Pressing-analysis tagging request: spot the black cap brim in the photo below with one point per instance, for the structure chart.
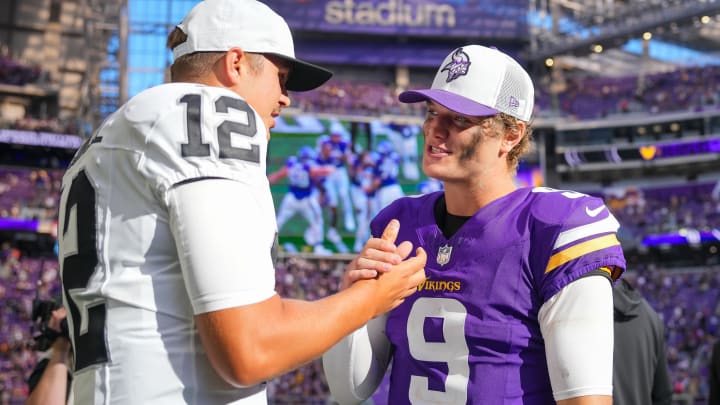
(304, 76)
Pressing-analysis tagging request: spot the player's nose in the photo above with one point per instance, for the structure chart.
(284, 100)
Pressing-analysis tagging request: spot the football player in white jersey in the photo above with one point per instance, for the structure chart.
(167, 229)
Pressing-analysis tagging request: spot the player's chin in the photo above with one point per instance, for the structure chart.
(269, 124)
(431, 168)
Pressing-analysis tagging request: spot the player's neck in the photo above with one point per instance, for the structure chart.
(448, 223)
(466, 200)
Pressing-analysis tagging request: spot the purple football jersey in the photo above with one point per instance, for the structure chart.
(470, 334)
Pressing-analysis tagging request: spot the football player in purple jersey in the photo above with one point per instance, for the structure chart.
(362, 188)
(339, 181)
(387, 172)
(301, 198)
(518, 306)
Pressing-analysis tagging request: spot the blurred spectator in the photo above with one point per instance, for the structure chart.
(714, 397)
(29, 193)
(15, 73)
(640, 373)
(663, 210)
(53, 125)
(51, 379)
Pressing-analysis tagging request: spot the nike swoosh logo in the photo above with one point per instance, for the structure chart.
(595, 212)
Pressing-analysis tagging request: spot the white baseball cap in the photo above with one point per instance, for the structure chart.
(479, 81)
(218, 25)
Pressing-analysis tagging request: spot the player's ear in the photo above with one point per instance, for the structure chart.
(229, 67)
(513, 135)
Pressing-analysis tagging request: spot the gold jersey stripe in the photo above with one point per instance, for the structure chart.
(607, 270)
(613, 271)
(564, 256)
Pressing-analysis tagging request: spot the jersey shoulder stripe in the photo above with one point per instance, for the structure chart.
(581, 249)
(607, 225)
(570, 234)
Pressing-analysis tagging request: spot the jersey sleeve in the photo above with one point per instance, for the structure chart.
(573, 234)
(225, 245)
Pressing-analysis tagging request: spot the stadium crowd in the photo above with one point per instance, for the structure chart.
(29, 123)
(16, 73)
(688, 89)
(687, 301)
(576, 97)
(664, 210)
(29, 193)
(582, 97)
(23, 277)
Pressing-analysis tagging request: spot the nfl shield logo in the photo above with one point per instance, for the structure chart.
(443, 255)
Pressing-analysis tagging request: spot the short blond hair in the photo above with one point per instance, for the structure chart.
(505, 122)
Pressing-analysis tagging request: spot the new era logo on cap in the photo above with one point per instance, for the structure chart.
(479, 81)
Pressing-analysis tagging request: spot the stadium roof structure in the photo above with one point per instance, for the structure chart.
(123, 40)
(85, 45)
(106, 36)
(617, 37)
(78, 44)
(684, 32)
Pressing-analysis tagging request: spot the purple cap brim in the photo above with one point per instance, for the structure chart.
(451, 101)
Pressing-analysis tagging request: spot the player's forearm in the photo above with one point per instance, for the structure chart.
(276, 176)
(355, 366)
(587, 400)
(304, 330)
(311, 328)
(285, 333)
(52, 387)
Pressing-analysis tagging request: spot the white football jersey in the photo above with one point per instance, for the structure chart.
(130, 302)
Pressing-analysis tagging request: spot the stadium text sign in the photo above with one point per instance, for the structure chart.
(453, 18)
(391, 12)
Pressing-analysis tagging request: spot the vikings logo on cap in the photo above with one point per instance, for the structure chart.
(458, 66)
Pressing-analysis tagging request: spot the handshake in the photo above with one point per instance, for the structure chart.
(387, 268)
